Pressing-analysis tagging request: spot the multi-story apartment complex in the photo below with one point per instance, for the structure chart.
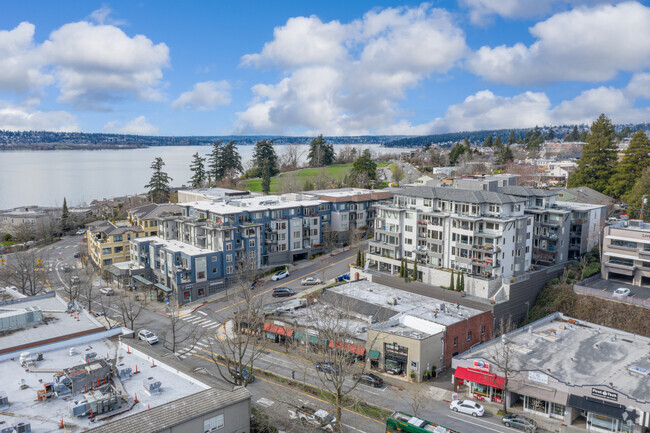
(28, 220)
(626, 252)
(108, 242)
(484, 234)
(587, 222)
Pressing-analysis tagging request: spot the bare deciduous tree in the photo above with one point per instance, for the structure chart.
(290, 182)
(180, 332)
(290, 158)
(238, 344)
(131, 305)
(26, 270)
(415, 395)
(503, 355)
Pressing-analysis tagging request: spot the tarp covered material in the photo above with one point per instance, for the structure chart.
(280, 330)
(601, 407)
(142, 280)
(482, 377)
(373, 354)
(352, 348)
(163, 288)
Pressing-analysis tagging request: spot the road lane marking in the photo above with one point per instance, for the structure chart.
(201, 312)
(473, 423)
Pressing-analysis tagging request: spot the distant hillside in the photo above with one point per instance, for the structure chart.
(72, 140)
(480, 136)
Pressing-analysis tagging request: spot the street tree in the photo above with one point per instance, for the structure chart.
(131, 305)
(599, 155)
(239, 344)
(215, 161)
(264, 155)
(550, 135)
(634, 198)
(457, 151)
(397, 173)
(365, 164)
(504, 154)
(635, 158)
(26, 271)
(321, 154)
(180, 333)
(415, 395)
(198, 170)
(534, 139)
(65, 217)
(438, 157)
(503, 355)
(158, 185)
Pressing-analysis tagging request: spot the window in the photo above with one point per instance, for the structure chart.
(214, 259)
(108, 261)
(622, 244)
(118, 250)
(251, 254)
(620, 261)
(296, 245)
(200, 275)
(482, 330)
(229, 258)
(251, 242)
(214, 270)
(228, 247)
(106, 250)
(117, 238)
(229, 269)
(455, 341)
(469, 335)
(408, 228)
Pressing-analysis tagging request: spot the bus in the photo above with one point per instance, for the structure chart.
(403, 422)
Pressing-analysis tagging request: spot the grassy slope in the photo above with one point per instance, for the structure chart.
(335, 171)
(613, 314)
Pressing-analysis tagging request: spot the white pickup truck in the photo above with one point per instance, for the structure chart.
(319, 417)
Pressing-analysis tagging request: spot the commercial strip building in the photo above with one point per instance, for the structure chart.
(65, 366)
(579, 372)
(393, 330)
(626, 252)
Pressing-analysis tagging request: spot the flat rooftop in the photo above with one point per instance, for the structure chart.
(255, 204)
(415, 305)
(579, 354)
(46, 416)
(574, 205)
(56, 323)
(174, 245)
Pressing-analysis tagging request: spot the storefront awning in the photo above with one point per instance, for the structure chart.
(482, 377)
(142, 280)
(300, 336)
(601, 407)
(352, 348)
(280, 330)
(315, 340)
(163, 288)
(373, 354)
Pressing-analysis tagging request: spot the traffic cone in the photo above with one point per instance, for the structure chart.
(148, 407)
(153, 363)
(91, 412)
(61, 425)
(128, 350)
(136, 398)
(98, 381)
(105, 380)
(136, 368)
(85, 388)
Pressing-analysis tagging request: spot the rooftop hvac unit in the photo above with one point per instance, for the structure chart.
(151, 385)
(441, 306)
(391, 301)
(4, 400)
(23, 427)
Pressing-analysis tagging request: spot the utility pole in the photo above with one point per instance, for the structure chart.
(643, 201)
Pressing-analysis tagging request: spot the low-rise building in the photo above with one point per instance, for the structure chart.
(28, 219)
(146, 216)
(108, 242)
(581, 373)
(626, 252)
(586, 225)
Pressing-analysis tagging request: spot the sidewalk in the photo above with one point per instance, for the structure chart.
(228, 291)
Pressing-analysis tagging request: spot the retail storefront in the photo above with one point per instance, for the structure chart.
(358, 352)
(277, 333)
(482, 384)
(396, 357)
(604, 416)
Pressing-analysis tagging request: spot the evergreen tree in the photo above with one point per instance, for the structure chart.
(457, 151)
(215, 160)
(365, 165)
(198, 169)
(415, 270)
(599, 154)
(451, 282)
(534, 139)
(551, 134)
(321, 154)
(231, 159)
(265, 170)
(574, 135)
(159, 183)
(497, 142)
(635, 158)
(359, 257)
(504, 154)
(458, 281)
(65, 216)
(462, 283)
(488, 141)
(583, 136)
(512, 139)
(634, 197)
(264, 153)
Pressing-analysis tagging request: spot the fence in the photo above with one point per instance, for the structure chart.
(583, 290)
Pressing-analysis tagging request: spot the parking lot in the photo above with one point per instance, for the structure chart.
(612, 284)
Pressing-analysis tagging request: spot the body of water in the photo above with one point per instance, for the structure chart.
(45, 177)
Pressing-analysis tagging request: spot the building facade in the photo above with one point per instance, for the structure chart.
(108, 242)
(626, 252)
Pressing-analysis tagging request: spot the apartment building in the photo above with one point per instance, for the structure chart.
(626, 252)
(28, 219)
(483, 234)
(586, 225)
(108, 242)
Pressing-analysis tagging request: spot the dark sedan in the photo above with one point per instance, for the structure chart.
(369, 379)
(281, 292)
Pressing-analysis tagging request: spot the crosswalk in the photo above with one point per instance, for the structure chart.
(200, 321)
(204, 343)
(213, 328)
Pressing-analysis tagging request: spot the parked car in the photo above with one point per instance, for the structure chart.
(327, 367)
(622, 291)
(245, 374)
(147, 336)
(369, 379)
(66, 268)
(280, 275)
(281, 292)
(319, 417)
(81, 232)
(108, 291)
(75, 279)
(467, 406)
(519, 422)
(310, 281)
(77, 255)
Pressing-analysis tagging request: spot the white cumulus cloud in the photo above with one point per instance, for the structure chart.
(347, 78)
(584, 44)
(481, 11)
(94, 64)
(23, 118)
(204, 96)
(20, 66)
(137, 126)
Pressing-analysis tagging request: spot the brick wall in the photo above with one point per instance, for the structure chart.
(480, 326)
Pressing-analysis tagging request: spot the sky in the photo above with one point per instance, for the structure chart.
(309, 67)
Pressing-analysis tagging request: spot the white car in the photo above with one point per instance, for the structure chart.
(467, 406)
(108, 291)
(81, 232)
(310, 281)
(280, 275)
(148, 336)
(622, 291)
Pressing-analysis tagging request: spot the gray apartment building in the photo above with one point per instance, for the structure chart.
(626, 252)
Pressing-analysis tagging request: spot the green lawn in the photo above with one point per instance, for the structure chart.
(255, 185)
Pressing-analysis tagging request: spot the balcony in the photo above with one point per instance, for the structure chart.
(551, 223)
(490, 248)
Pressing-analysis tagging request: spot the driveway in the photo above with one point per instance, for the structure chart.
(612, 284)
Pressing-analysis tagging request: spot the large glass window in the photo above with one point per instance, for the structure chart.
(479, 389)
(557, 410)
(536, 405)
(601, 421)
(620, 261)
(621, 243)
